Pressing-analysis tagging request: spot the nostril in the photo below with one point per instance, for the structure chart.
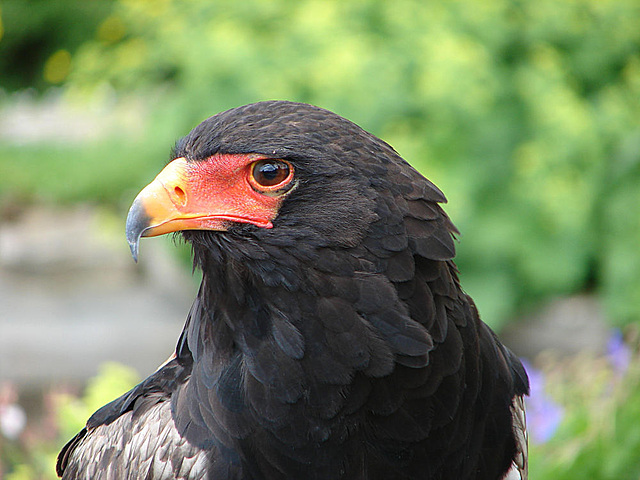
(180, 194)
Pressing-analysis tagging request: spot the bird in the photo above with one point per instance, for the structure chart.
(330, 337)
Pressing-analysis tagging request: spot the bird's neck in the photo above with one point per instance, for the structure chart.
(288, 352)
(237, 313)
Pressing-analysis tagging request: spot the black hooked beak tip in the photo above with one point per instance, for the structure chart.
(138, 221)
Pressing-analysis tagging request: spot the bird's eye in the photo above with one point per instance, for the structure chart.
(268, 176)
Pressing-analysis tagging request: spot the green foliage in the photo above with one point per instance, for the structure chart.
(113, 380)
(32, 31)
(526, 113)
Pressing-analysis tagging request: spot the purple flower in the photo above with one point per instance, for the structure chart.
(543, 414)
(618, 353)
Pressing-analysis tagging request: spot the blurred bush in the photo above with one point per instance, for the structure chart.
(38, 36)
(526, 113)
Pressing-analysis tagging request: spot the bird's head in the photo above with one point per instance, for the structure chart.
(275, 168)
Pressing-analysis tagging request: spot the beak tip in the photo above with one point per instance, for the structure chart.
(137, 223)
(134, 250)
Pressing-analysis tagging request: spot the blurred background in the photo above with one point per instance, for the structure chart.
(525, 113)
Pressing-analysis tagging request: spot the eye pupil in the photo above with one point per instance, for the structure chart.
(269, 173)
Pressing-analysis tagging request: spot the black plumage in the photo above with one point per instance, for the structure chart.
(336, 345)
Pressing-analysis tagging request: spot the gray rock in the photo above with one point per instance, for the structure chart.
(72, 298)
(565, 327)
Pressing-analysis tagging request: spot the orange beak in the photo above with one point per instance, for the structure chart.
(204, 195)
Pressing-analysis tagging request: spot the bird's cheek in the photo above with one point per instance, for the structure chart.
(228, 200)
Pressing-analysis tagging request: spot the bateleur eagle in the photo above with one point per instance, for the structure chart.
(330, 337)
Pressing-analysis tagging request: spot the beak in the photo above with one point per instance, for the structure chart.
(169, 204)
(137, 223)
(157, 205)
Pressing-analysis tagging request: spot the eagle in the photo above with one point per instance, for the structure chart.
(330, 337)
